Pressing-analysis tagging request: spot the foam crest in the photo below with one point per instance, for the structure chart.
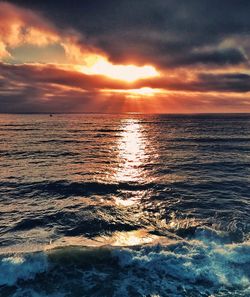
(21, 267)
(202, 266)
(194, 265)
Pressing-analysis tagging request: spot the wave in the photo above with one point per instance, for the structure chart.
(19, 129)
(30, 154)
(65, 141)
(25, 267)
(207, 139)
(79, 188)
(115, 130)
(203, 266)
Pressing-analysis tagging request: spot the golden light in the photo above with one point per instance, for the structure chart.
(131, 150)
(141, 92)
(133, 238)
(128, 73)
(146, 91)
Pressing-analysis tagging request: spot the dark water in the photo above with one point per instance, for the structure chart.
(124, 205)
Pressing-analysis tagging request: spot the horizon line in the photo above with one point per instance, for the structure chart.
(125, 113)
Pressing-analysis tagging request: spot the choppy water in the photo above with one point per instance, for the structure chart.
(124, 205)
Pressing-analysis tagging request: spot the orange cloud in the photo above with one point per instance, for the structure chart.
(21, 26)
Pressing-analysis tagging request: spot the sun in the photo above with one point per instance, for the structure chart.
(127, 73)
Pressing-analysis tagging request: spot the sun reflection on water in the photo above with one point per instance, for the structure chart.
(131, 152)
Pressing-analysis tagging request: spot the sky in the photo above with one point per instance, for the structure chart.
(160, 56)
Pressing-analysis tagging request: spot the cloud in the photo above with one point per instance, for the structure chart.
(38, 74)
(201, 49)
(21, 26)
(32, 74)
(219, 57)
(167, 33)
(200, 82)
(226, 82)
(50, 88)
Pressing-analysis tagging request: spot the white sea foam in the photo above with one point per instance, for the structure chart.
(197, 264)
(21, 267)
(202, 266)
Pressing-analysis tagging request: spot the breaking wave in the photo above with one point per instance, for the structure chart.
(202, 266)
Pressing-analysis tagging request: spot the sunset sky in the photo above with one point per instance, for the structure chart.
(159, 56)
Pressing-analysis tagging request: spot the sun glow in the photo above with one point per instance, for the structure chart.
(131, 93)
(145, 92)
(128, 73)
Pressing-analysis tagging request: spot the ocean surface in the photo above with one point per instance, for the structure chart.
(124, 205)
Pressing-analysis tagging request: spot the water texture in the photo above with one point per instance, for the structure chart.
(124, 205)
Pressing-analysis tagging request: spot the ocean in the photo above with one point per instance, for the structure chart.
(124, 205)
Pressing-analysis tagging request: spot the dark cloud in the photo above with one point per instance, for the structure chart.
(236, 82)
(219, 57)
(165, 32)
(203, 82)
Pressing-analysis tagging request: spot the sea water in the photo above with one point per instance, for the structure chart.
(124, 205)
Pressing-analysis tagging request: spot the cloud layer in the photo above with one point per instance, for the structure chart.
(48, 88)
(201, 48)
(166, 32)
